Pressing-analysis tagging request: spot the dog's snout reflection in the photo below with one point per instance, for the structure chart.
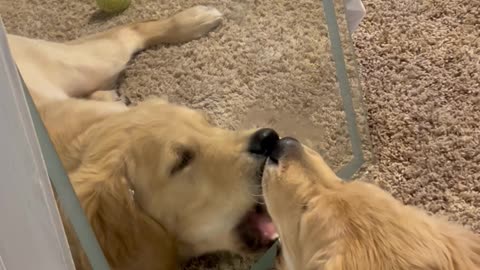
(286, 147)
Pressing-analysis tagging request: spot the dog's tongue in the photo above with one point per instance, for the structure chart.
(265, 225)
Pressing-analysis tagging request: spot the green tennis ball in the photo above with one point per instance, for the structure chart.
(113, 6)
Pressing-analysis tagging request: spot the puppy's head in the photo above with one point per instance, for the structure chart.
(294, 177)
(202, 183)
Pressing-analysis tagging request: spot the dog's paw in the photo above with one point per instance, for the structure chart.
(105, 95)
(195, 22)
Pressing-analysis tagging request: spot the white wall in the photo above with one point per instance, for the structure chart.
(31, 233)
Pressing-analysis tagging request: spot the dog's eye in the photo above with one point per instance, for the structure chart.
(185, 157)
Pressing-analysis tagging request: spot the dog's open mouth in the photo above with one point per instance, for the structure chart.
(256, 230)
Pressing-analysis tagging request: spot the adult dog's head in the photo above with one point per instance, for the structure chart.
(201, 183)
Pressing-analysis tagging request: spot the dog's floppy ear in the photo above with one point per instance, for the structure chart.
(121, 227)
(107, 202)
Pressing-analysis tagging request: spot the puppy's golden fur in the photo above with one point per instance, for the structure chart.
(325, 223)
(157, 182)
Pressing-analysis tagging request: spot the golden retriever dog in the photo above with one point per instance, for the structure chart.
(157, 182)
(325, 223)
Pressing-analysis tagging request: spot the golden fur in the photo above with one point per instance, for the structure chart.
(157, 182)
(326, 223)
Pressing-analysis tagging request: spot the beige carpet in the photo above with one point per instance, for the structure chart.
(419, 62)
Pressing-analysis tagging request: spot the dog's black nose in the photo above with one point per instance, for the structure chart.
(285, 146)
(263, 141)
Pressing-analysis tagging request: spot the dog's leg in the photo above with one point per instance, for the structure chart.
(184, 26)
(78, 68)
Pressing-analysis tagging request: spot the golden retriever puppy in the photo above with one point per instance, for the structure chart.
(325, 223)
(157, 182)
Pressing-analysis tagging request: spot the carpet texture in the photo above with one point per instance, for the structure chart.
(420, 63)
(418, 59)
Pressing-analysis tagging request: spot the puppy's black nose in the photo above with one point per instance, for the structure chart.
(263, 141)
(285, 146)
